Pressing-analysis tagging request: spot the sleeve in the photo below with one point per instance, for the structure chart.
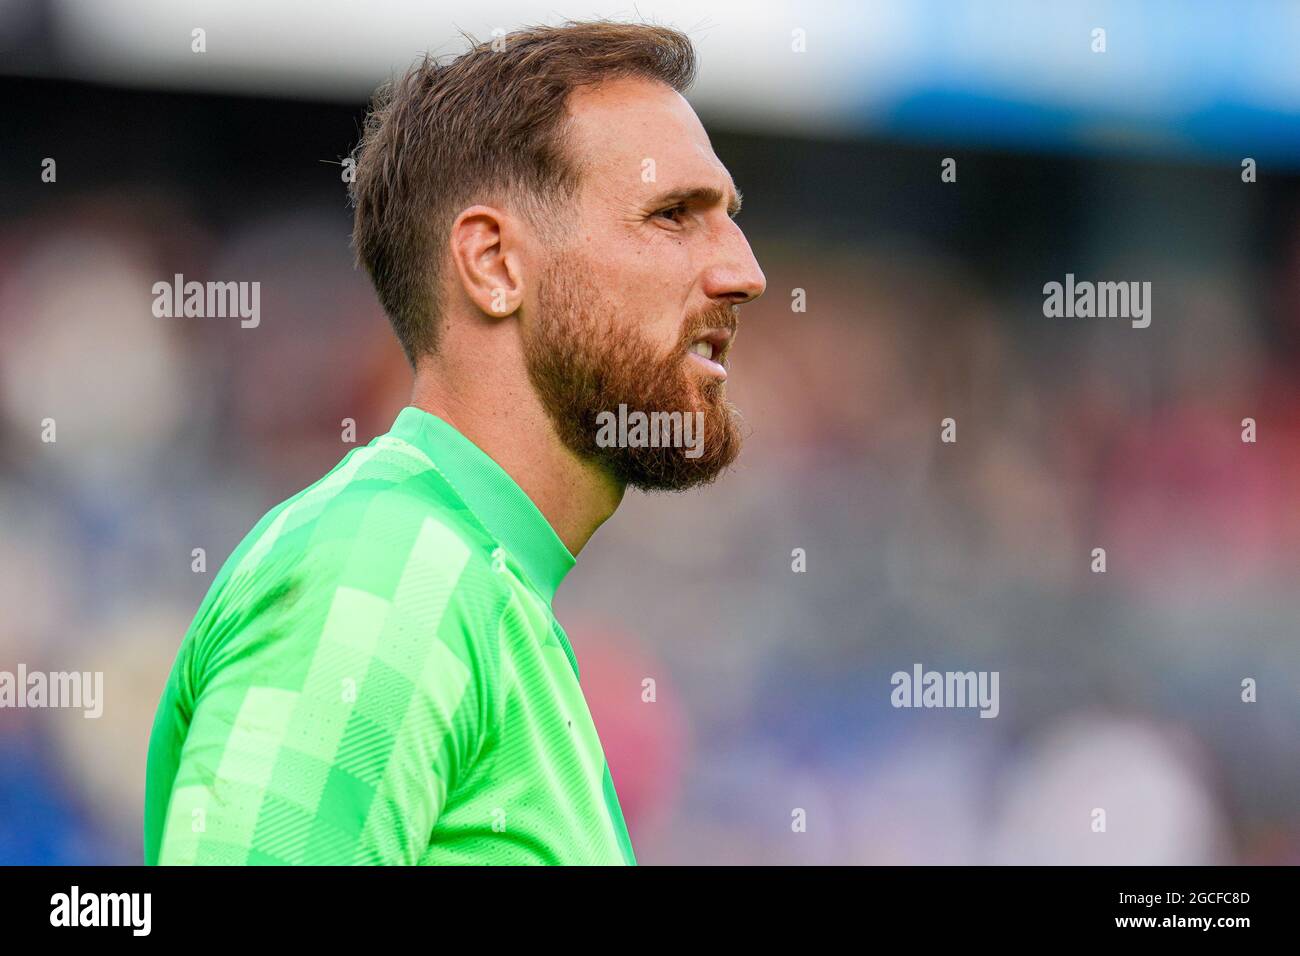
(333, 717)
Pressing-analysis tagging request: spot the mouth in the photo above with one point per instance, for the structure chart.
(709, 350)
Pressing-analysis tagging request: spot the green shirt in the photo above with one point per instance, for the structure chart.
(376, 676)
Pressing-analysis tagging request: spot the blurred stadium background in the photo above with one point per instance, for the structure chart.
(1118, 690)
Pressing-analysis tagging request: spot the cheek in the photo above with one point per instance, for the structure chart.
(648, 286)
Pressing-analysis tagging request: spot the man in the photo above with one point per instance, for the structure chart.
(376, 675)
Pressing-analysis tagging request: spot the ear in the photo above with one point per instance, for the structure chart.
(485, 248)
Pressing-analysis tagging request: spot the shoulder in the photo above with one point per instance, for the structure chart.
(382, 515)
(380, 546)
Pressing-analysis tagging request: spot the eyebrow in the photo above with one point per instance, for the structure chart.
(701, 195)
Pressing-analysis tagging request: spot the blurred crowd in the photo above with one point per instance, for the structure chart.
(1119, 690)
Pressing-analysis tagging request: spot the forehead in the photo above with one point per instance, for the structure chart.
(619, 124)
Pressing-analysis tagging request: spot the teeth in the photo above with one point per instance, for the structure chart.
(703, 348)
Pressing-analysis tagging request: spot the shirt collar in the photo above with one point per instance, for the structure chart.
(492, 495)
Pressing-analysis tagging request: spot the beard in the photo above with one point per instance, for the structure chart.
(583, 361)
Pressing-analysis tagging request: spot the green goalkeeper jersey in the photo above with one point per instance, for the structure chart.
(376, 676)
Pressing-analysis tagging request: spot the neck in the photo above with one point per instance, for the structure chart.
(503, 416)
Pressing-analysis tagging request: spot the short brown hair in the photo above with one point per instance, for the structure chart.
(483, 126)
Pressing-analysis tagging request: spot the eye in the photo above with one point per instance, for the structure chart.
(673, 212)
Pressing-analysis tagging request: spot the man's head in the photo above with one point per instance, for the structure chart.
(554, 186)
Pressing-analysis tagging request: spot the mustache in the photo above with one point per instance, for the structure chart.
(722, 316)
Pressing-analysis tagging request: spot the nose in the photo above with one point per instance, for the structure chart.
(733, 274)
